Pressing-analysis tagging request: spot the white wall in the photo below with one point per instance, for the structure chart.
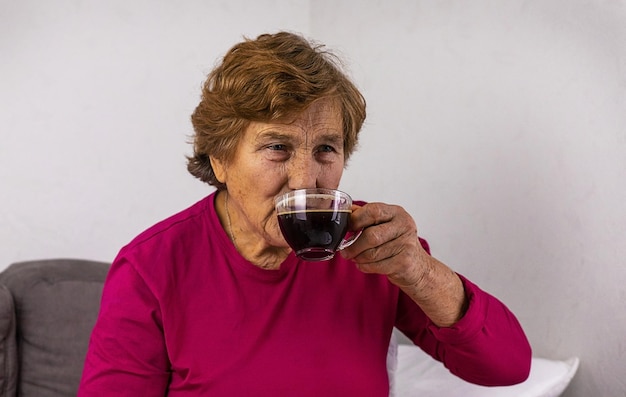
(95, 101)
(501, 126)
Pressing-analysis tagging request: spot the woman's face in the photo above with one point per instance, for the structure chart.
(274, 158)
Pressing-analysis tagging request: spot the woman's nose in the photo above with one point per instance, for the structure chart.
(303, 173)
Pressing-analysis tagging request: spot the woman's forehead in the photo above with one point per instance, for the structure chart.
(324, 112)
(320, 123)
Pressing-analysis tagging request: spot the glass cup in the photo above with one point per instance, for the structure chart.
(315, 222)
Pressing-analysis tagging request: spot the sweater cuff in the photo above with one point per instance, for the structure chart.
(471, 323)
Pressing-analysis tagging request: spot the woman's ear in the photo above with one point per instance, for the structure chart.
(219, 169)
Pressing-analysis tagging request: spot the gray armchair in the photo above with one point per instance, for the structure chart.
(47, 311)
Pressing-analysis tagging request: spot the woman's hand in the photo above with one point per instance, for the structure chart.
(390, 245)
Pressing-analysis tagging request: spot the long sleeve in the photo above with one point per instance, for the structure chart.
(126, 355)
(486, 347)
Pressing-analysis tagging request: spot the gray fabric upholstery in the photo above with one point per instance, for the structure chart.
(8, 345)
(56, 304)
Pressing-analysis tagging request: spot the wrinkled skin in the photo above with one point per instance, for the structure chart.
(273, 158)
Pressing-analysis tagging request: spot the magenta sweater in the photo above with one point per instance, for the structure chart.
(183, 314)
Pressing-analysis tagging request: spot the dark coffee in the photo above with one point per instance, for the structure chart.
(314, 234)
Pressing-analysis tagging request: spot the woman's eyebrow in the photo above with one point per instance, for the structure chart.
(332, 137)
(273, 135)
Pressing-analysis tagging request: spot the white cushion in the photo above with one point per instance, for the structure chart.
(417, 374)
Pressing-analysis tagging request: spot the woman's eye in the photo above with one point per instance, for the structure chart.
(326, 149)
(278, 152)
(277, 146)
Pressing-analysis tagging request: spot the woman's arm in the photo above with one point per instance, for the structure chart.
(486, 347)
(127, 354)
(472, 332)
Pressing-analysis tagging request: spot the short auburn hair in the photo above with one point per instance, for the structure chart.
(269, 79)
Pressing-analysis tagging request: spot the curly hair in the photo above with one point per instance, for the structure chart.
(269, 79)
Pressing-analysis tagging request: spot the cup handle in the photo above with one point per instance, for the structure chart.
(346, 242)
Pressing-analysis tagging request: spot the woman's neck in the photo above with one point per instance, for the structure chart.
(249, 245)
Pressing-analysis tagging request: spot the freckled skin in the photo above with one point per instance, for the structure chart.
(273, 158)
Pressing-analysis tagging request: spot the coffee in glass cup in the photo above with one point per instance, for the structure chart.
(315, 222)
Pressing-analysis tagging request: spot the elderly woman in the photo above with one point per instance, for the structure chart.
(213, 302)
